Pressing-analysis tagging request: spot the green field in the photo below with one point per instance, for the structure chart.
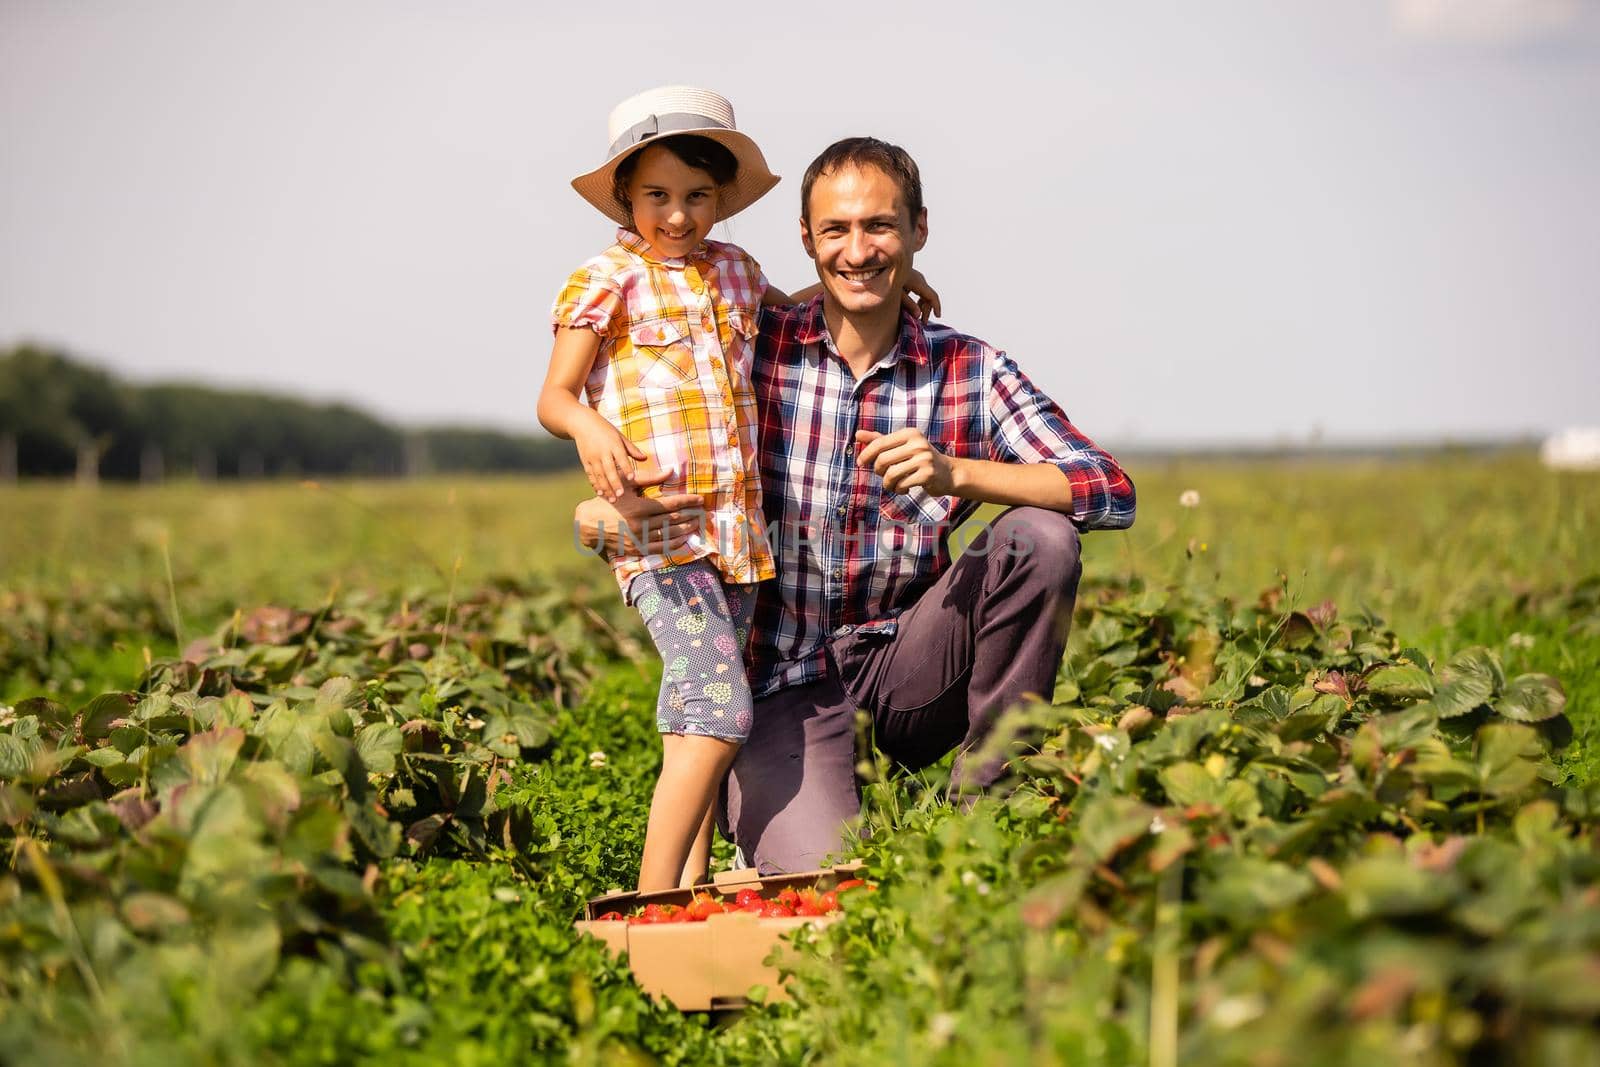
(1424, 543)
(1380, 818)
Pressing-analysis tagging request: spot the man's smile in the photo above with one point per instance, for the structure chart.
(862, 276)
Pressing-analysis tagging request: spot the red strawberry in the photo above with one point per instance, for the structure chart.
(848, 883)
(747, 896)
(609, 917)
(788, 897)
(703, 906)
(776, 910)
(829, 901)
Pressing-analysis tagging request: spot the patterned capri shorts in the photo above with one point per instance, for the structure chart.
(699, 624)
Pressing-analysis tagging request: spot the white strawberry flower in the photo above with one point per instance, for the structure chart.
(597, 759)
(1189, 498)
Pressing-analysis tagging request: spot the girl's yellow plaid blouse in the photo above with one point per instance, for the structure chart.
(673, 374)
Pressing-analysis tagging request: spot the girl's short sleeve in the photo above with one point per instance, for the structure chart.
(755, 279)
(762, 285)
(591, 298)
(739, 278)
(752, 270)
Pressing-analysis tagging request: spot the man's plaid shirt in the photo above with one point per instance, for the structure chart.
(851, 557)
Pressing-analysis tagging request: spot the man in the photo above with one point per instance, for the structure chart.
(878, 436)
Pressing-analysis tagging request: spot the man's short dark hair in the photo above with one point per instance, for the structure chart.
(893, 160)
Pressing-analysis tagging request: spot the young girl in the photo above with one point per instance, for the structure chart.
(657, 332)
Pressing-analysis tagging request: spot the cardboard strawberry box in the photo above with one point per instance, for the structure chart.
(711, 964)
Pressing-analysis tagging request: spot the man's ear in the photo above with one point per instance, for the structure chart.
(805, 239)
(921, 229)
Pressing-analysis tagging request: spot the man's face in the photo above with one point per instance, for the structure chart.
(674, 205)
(863, 239)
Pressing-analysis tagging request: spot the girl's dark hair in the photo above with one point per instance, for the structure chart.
(701, 153)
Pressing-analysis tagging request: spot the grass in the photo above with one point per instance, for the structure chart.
(244, 544)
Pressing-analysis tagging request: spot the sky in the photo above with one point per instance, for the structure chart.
(1237, 222)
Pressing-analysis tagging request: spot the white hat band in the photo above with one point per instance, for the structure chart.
(652, 125)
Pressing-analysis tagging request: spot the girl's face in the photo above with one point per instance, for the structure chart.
(674, 204)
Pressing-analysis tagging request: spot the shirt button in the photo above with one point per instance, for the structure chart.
(841, 509)
(838, 572)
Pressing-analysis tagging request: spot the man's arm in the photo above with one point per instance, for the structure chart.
(635, 523)
(906, 459)
(1028, 427)
(1041, 459)
(1039, 485)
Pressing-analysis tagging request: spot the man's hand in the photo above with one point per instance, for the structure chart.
(906, 460)
(652, 526)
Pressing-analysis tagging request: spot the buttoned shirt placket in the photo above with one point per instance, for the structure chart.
(843, 475)
(696, 275)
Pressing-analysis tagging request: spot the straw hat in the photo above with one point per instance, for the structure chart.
(675, 109)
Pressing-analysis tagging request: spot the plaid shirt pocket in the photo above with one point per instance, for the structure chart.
(665, 349)
(916, 506)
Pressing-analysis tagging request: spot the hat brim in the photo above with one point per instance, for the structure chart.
(753, 181)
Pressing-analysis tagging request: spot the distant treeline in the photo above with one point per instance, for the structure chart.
(60, 417)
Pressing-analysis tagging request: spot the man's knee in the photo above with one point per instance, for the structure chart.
(792, 790)
(1046, 541)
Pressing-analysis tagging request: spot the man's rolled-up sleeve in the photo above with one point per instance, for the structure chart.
(1028, 427)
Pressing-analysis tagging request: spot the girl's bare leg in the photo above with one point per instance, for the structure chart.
(698, 864)
(692, 769)
(695, 867)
